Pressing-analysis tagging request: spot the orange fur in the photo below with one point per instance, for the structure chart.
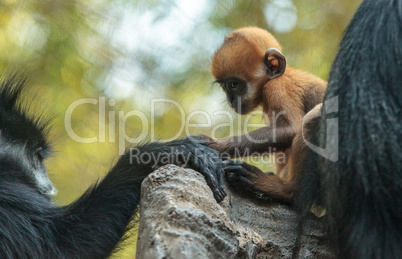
(242, 48)
(295, 92)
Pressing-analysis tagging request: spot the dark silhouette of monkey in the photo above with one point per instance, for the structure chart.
(362, 191)
(31, 226)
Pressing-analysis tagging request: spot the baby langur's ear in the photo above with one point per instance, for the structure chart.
(275, 62)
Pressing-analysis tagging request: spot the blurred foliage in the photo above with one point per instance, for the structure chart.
(133, 51)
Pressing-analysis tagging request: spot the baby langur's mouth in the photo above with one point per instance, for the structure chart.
(240, 109)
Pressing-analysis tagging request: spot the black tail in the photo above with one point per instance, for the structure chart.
(363, 189)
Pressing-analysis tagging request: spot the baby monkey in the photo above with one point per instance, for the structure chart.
(252, 72)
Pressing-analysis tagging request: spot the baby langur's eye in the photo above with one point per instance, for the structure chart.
(233, 84)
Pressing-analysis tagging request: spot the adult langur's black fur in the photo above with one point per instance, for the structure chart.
(362, 191)
(91, 227)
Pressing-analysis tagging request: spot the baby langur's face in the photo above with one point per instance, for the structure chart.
(239, 94)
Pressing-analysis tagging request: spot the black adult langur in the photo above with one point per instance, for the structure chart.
(362, 190)
(31, 226)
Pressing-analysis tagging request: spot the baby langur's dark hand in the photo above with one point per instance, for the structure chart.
(207, 161)
(241, 175)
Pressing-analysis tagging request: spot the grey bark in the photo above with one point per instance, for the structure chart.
(179, 218)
